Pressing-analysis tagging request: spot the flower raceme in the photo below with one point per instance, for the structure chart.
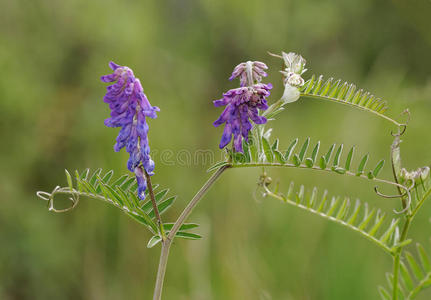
(243, 104)
(129, 109)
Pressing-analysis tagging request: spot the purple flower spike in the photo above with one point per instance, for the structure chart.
(129, 109)
(249, 72)
(243, 104)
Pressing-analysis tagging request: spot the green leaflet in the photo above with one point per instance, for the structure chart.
(345, 93)
(369, 223)
(415, 273)
(330, 159)
(121, 193)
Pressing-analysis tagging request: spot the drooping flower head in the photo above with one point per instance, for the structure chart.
(129, 109)
(243, 104)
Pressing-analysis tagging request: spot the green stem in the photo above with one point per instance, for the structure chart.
(166, 244)
(155, 209)
(397, 258)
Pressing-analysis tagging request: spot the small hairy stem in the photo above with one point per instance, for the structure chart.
(164, 254)
(153, 201)
(166, 243)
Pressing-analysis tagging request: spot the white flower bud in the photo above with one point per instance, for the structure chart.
(291, 94)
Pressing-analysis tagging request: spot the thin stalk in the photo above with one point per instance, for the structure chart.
(164, 254)
(189, 208)
(166, 243)
(153, 201)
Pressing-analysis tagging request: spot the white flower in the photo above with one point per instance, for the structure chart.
(293, 79)
(421, 173)
(294, 62)
(291, 94)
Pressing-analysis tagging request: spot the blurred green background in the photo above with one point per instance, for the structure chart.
(52, 54)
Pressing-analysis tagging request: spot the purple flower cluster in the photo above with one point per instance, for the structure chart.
(129, 108)
(243, 104)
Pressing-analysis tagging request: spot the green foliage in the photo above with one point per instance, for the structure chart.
(121, 193)
(345, 93)
(415, 275)
(369, 222)
(330, 160)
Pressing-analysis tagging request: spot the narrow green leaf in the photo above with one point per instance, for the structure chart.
(384, 293)
(69, 180)
(334, 89)
(349, 158)
(367, 219)
(309, 85)
(362, 165)
(186, 226)
(78, 181)
(279, 157)
(84, 174)
(385, 237)
(124, 197)
(326, 86)
(424, 257)
(322, 163)
(329, 153)
(343, 209)
(355, 213)
(247, 157)
(414, 266)
(113, 195)
(127, 183)
(407, 279)
(120, 180)
(315, 152)
(162, 207)
(154, 241)
(333, 206)
(300, 195)
(337, 156)
(107, 177)
(290, 191)
(275, 145)
(304, 149)
(188, 235)
(317, 86)
(312, 198)
(93, 178)
(290, 149)
(267, 150)
(378, 168)
(88, 188)
(323, 201)
(378, 223)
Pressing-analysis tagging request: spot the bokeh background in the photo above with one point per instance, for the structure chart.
(52, 54)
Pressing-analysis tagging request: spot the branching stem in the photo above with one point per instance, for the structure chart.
(166, 244)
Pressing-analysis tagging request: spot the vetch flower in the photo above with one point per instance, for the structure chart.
(129, 109)
(248, 72)
(243, 104)
(295, 67)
